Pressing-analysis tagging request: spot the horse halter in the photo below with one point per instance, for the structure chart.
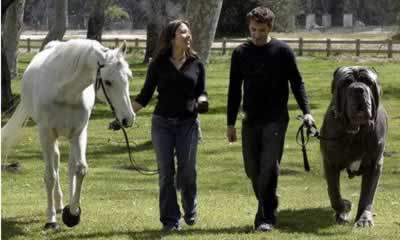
(99, 83)
(117, 125)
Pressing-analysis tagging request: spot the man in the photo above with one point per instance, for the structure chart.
(264, 66)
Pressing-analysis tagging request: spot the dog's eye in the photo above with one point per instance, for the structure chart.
(366, 81)
(108, 83)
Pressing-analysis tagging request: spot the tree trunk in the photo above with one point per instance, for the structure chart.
(6, 93)
(57, 31)
(12, 31)
(156, 14)
(4, 6)
(96, 20)
(152, 40)
(203, 16)
(159, 13)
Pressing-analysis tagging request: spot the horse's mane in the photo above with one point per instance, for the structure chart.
(75, 54)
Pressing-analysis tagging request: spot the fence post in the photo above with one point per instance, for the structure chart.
(328, 47)
(358, 46)
(390, 48)
(28, 43)
(136, 44)
(224, 46)
(301, 46)
(116, 42)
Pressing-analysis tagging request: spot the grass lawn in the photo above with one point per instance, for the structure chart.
(118, 203)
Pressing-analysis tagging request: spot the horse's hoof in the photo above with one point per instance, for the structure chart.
(52, 226)
(69, 219)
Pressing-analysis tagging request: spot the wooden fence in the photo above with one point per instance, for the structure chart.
(328, 46)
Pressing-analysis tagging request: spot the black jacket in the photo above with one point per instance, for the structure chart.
(178, 90)
(265, 73)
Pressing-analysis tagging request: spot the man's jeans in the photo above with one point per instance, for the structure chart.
(262, 152)
(171, 136)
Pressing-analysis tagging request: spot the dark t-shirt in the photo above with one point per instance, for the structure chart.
(264, 72)
(177, 90)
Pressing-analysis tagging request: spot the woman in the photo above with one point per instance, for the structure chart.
(179, 77)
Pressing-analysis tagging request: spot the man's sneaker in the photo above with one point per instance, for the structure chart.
(264, 227)
(170, 228)
(190, 220)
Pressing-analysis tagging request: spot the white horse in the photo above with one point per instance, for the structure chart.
(58, 93)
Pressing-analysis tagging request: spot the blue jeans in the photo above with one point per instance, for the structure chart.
(262, 152)
(180, 137)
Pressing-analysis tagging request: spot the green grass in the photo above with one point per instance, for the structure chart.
(121, 204)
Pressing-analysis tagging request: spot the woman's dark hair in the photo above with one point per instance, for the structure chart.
(168, 35)
(261, 15)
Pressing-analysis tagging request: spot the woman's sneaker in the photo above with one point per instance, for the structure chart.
(170, 228)
(264, 227)
(190, 220)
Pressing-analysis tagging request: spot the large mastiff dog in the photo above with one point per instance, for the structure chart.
(353, 138)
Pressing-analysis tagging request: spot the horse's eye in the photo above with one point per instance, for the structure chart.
(108, 83)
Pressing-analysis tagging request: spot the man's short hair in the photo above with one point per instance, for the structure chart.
(261, 15)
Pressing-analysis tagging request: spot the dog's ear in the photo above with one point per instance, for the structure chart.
(375, 89)
(374, 70)
(337, 91)
(334, 80)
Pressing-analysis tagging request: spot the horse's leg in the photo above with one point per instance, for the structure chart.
(77, 170)
(58, 194)
(50, 153)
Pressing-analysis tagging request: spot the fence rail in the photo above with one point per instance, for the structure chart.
(329, 46)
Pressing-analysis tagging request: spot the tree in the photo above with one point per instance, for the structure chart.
(6, 93)
(59, 27)
(12, 31)
(115, 13)
(285, 12)
(203, 16)
(96, 19)
(159, 13)
(136, 10)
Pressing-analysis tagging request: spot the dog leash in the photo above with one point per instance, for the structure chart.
(304, 139)
(310, 131)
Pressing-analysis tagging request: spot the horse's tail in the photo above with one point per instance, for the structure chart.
(10, 132)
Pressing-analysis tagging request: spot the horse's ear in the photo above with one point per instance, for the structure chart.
(122, 49)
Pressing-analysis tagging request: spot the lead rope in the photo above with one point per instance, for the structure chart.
(313, 132)
(310, 131)
(116, 125)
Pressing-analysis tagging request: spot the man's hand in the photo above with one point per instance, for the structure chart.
(309, 120)
(231, 134)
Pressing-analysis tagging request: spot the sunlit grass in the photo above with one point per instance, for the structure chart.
(122, 204)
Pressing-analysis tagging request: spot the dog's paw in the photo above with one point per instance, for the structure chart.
(365, 220)
(344, 216)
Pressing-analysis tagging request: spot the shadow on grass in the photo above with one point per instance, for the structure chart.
(120, 149)
(312, 221)
(11, 227)
(156, 234)
(289, 172)
(309, 220)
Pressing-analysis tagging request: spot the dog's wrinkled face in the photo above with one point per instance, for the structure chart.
(356, 94)
(359, 103)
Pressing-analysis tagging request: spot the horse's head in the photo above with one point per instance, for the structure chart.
(115, 75)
